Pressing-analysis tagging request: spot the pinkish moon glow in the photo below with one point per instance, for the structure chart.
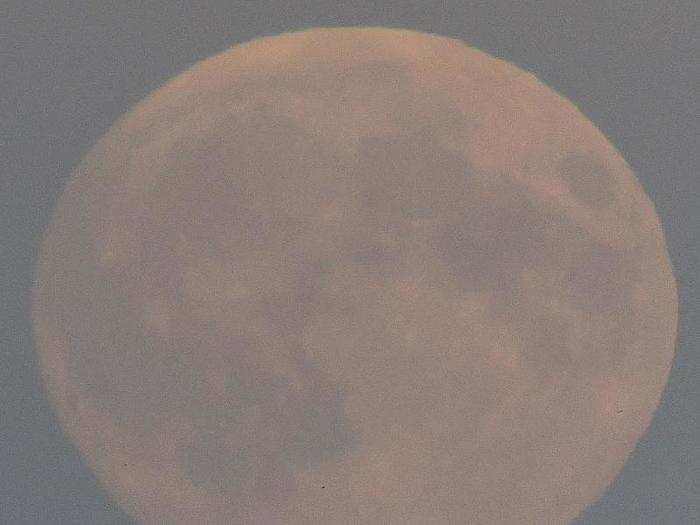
(355, 275)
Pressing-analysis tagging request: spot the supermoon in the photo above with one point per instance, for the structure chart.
(354, 275)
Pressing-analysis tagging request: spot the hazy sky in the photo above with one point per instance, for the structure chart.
(72, 68)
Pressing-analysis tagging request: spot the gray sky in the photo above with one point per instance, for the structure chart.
(73, 67)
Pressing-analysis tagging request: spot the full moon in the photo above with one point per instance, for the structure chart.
(354, 275)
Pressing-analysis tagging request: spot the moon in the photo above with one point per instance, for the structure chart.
(354, 275)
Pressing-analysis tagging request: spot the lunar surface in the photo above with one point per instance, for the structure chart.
(354, 275)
